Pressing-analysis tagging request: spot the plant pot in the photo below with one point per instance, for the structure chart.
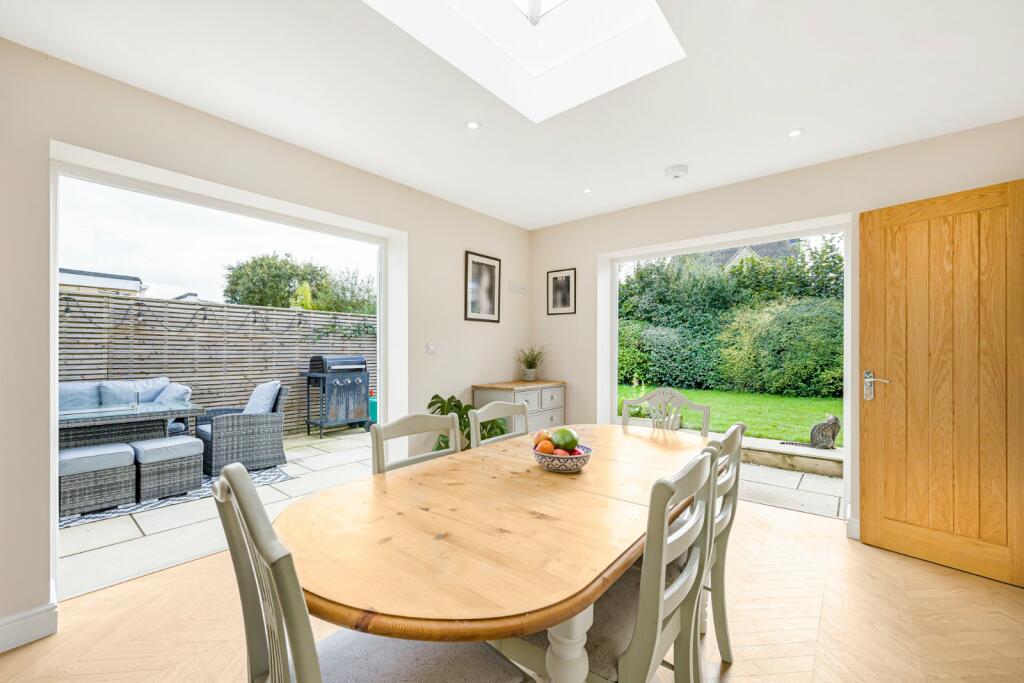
(529, 374)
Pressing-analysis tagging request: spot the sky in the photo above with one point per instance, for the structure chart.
(176, 247)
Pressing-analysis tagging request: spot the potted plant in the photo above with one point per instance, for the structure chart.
(530, 359)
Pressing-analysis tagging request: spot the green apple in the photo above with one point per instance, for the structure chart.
(564, 438)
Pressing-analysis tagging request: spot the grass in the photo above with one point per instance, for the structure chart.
(786, 418)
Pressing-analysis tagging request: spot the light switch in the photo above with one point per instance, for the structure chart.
(431, 348)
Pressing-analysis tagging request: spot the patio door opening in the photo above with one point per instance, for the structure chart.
(757, 331)
(191, 335)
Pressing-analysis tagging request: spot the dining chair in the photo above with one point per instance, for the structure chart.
(652, 607)
(412, 425)
(278, 636)
(496, 410)
(665, 407)
(727, 494)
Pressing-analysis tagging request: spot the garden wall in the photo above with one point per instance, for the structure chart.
(220, 350)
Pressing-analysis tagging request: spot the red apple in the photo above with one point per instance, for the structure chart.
(561, 451)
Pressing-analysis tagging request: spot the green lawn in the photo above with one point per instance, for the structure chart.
(786, 418)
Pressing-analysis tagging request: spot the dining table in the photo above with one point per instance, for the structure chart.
(484, 544)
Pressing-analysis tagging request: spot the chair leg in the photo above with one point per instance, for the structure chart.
(718, 608)
(702, 609)
(682, 648)
(697, 677)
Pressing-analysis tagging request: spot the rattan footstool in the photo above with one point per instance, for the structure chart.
(168, 467)
(96, 477)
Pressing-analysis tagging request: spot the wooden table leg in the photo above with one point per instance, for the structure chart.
(566, 658)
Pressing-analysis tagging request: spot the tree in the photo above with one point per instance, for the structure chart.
(280, 281)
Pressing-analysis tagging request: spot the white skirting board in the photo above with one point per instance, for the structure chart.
(24, 627)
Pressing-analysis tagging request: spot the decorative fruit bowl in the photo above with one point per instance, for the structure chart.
(560, 451)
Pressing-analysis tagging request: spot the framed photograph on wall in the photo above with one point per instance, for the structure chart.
(483, 288)
(562, 291)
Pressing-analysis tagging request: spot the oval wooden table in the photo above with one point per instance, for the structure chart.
(484, 544)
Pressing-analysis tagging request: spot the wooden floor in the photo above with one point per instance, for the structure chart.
(805, 604)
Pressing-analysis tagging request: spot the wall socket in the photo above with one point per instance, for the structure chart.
(517, 287)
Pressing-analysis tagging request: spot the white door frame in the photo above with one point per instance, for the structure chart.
(393, 307)
(608, 329)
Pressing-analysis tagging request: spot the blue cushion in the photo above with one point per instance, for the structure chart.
(204, 432)
(263, 398)
(78, 395)
(174, 428)
(150, 388)
(167, 448)
(105, 456)
(174, 393)
(118, 392)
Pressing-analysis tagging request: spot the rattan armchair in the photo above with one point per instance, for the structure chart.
(256, 441)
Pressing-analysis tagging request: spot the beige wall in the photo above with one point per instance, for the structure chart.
(931, 167)
(43, 99)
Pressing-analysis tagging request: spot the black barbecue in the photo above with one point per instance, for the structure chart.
(343, 386)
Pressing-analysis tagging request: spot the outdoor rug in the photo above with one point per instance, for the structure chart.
(271, 475)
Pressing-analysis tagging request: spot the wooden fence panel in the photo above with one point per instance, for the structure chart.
(220, 350)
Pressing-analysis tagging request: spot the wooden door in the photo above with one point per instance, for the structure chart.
(942, 319)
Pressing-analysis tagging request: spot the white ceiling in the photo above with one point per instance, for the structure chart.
(336, 77)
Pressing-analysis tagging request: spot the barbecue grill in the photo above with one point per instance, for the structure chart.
(342, 384)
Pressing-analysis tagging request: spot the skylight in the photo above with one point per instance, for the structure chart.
(535, 9)
(585, 49)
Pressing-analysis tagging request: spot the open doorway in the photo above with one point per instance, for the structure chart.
(756, 331)
(177, 315)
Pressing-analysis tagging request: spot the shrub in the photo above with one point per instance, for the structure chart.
(682, 357)
(634, 355)
(792, 347)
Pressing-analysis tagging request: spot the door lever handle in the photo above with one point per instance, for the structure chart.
(869, 384)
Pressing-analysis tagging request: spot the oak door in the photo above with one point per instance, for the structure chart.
(942, 331)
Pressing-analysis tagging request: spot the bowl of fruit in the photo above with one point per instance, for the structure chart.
(560, 450)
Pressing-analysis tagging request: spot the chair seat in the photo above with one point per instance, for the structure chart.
(94, 458)
(167, 448)
(205, 432)
(355, 657)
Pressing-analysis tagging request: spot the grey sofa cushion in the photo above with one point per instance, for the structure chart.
(167, 448)
(95, 458)
(174, 393)
(123, 391)
(174, 428)
(263, 397)
(355, 657)
(78, 395)
(205, 432)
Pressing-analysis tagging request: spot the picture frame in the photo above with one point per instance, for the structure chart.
(562, 291)
(483, 288)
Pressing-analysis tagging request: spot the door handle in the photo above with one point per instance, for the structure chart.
(869, 384)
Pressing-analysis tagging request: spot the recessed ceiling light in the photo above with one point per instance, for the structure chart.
(677, 171)
(795, 133)
(473, 125)
(587, 190)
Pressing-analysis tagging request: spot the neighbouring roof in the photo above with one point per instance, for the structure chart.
(89, 278)
(91, 273)
(777, 249)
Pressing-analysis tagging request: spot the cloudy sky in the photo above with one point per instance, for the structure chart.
(177, 247)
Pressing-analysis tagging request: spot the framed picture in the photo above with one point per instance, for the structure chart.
(483, 288)
(562, 291)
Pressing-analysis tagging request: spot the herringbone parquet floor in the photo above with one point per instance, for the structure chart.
(805, 604)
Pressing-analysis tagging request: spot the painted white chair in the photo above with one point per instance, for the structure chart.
(666, 409)
(652, 607)
(278, 636)
(496, 410)
(727, 491)
(412, 425)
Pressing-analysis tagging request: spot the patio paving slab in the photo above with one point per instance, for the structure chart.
(327, 460)
(335, 445)
(315, 481)
(816, 483)
(770, 475)
(294, 469)
(792, 499)
(77, 539)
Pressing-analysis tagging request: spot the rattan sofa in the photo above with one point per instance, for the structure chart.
(229, 435)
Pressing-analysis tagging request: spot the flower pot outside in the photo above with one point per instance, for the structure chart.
(529, 374)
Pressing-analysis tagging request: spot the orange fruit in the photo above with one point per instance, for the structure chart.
(545, 447)
(542, 435)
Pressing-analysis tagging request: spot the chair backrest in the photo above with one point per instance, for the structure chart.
(282, 394)
(496, 410)
(411, 425)
(278, 636)
(727, 489)
(685, 542)
(666, 409)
